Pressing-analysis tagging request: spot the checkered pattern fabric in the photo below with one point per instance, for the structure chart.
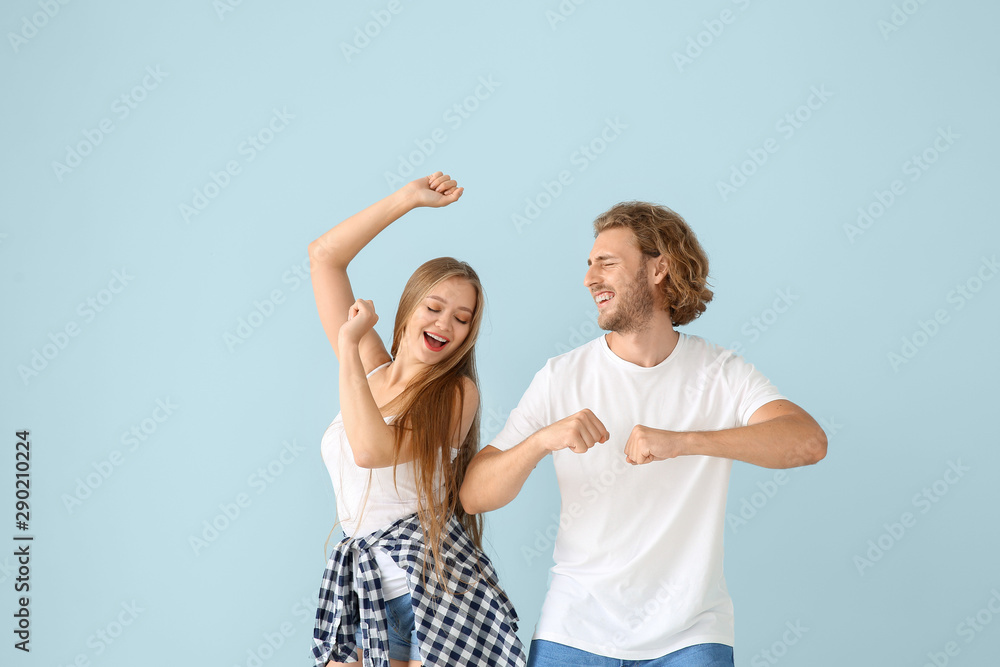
(470, 623)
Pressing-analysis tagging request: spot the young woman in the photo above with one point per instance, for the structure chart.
(408, 584)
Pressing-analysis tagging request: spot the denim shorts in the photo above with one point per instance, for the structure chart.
(403, 644)
(550, 654)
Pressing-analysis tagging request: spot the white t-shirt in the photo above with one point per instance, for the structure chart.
(368, 499)
(638, 558)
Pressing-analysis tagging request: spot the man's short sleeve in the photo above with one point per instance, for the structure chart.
(753, 389)
(530, 415)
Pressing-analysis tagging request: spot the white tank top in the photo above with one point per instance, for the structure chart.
(367, 499)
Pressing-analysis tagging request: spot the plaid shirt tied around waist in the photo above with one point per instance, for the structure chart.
(471, 623)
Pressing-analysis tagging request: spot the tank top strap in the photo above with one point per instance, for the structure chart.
(376, 370)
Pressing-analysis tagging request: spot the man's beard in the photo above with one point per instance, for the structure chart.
(633, 309)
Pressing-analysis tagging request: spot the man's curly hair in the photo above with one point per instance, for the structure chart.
(660, 231)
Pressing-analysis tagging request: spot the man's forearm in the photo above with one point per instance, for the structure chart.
(783, 442)
(495, 477)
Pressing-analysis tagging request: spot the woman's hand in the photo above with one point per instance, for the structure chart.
(436, 190)
(360, 320)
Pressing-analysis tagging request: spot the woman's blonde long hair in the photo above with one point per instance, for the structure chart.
(426, 413)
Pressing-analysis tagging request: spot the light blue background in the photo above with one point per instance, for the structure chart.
(893, 430)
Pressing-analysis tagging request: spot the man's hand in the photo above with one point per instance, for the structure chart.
(646, 445)
(434, 191)
(360, 320)
(578, 432)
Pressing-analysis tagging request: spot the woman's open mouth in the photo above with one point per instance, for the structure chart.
(434, 342)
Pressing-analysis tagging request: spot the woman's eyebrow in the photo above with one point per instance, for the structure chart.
(445, 302)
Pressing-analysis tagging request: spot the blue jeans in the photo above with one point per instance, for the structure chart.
(550, 654)
(403, 643)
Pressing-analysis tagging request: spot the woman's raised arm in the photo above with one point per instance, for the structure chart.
(331, 253)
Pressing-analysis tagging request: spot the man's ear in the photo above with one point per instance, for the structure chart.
(661, 267)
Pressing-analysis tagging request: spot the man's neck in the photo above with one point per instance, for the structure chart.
(648, 346)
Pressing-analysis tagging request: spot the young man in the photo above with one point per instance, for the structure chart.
(643, 424)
